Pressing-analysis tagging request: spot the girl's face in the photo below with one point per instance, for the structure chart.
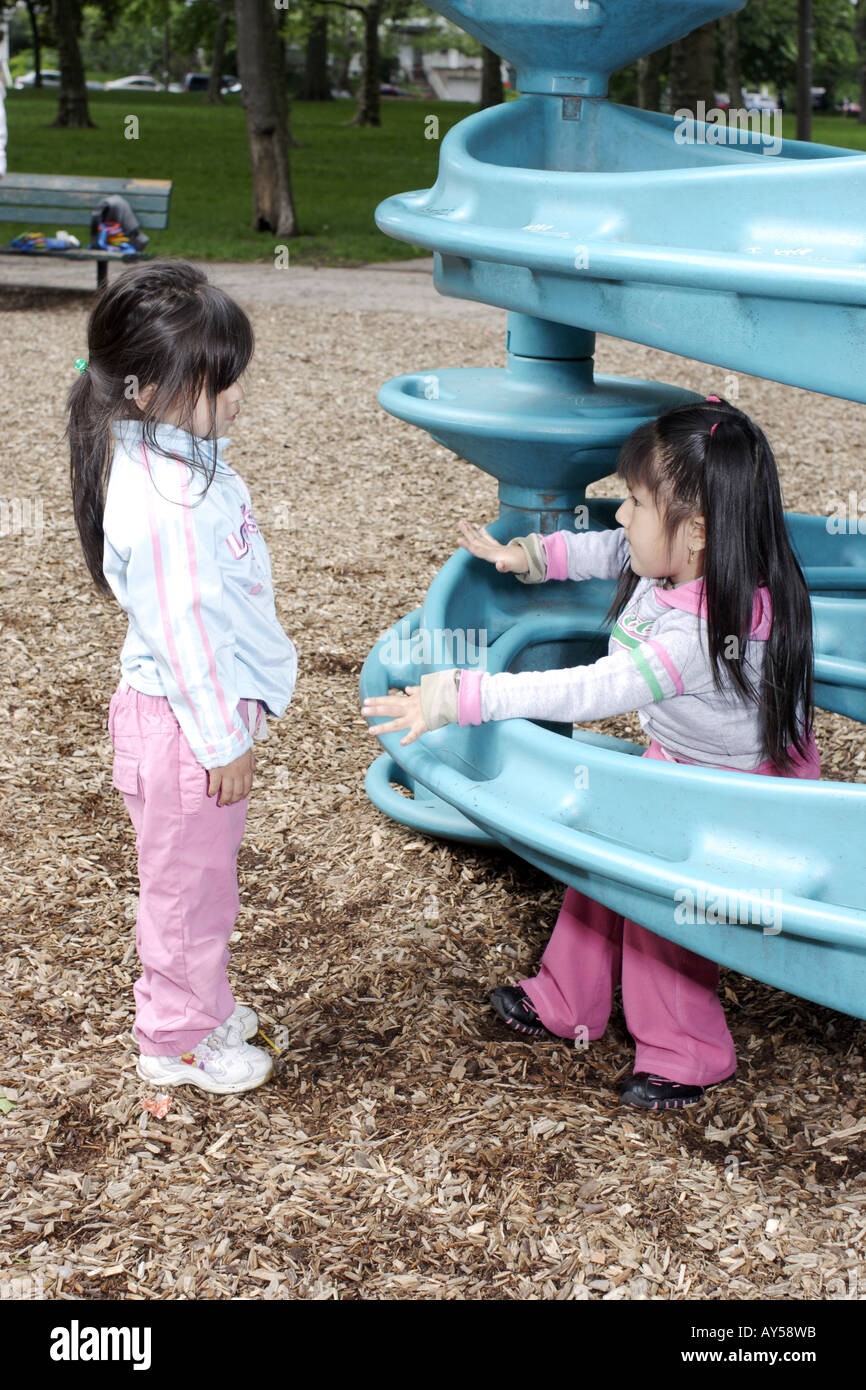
(653, 556)
(226, 408)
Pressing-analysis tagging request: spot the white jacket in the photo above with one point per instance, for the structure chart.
(192, 571)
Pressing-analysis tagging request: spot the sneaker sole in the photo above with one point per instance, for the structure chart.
(512, 1023)
(194, 1076)
(660, 1104)
(674, 1104)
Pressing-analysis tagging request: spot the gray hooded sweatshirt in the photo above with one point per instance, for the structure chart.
(657, 664)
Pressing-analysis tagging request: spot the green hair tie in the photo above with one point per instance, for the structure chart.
(80, 363)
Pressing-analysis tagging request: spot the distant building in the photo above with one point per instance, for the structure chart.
(449, 74)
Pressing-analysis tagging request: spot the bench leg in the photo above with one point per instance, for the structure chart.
(101, 274)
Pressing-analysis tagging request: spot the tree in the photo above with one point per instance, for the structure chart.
(214, 93)
(33, 11)
(804, 69)
(317, 82)
(693, 63)
(731, 56)
(649, 80)
(767, 34)
(260, 69)
(492, 92)
(72, 109)
(861, 56)
(368, 111)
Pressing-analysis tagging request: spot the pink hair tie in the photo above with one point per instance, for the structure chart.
(715, 398)
(713, 429)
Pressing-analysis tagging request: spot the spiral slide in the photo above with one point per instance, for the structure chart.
(716, 240)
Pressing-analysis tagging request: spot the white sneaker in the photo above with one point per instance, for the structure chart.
(246, 1019)
(223, 1063)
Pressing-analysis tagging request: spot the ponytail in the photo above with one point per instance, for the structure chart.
(90, 446)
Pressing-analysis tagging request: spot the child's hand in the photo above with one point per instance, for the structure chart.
(508, 559)
(234, 781)
(406, 708)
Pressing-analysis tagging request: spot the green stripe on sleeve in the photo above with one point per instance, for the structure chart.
(646, 671)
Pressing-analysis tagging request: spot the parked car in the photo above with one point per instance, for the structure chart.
(759, 101)
(140, 83)
(198, 82)
(50, 78)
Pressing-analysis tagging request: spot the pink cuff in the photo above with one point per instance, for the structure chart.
(469, 698)
(557, 555)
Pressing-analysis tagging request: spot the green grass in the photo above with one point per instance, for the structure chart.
(338, 177)
(830, 130)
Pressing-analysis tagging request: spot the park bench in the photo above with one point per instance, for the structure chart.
(68, 203)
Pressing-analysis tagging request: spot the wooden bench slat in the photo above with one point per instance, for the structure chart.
(77, 255)
(95, 182)
(61, 216)
(49, 197)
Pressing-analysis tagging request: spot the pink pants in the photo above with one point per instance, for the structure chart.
(187, 869)
(669, 994)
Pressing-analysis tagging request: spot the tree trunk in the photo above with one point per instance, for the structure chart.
(72, 108)
(492, 92)
(317, 83)
(37, 43)
(649, 81)
(214, 94)
(367, 112)
(692, 76)
(293, 143)
(264, 99)
(804, 69)
(731, 53)
(343, 59)
(861, 53)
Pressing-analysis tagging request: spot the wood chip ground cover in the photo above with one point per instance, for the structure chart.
(408, 1146)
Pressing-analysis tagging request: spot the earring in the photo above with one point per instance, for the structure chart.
(691, 554)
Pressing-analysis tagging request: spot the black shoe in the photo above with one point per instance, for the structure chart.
(647, 1092)
(515, 1008)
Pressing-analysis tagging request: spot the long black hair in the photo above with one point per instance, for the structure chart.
(163, 324)
(728, 475)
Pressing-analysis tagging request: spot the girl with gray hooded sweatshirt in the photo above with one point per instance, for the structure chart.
(712, 646)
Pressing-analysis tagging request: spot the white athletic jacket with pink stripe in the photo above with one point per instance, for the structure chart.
(192, 571)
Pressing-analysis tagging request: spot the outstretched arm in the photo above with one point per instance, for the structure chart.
(623, 681)
(559, 555)
(508, 559)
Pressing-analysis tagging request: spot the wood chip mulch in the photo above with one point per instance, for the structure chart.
(408, 1147)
